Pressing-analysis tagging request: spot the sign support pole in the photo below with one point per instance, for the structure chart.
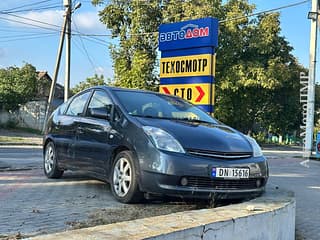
(312, 76)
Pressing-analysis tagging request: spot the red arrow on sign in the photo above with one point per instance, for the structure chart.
(201, 93)
(165, 90)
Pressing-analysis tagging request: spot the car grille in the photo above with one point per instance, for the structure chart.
(223, 184)
(223, 155)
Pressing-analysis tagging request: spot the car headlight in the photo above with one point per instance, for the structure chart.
(163, 140)
(255, 146)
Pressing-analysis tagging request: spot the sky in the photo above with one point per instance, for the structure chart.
(25, 41)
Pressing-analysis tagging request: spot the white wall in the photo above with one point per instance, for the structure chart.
(30, 115)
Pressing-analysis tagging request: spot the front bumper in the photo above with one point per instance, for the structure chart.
(164, 173)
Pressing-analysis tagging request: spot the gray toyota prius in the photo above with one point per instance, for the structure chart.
(144, 142)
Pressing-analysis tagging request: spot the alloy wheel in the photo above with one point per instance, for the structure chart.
(122, 177)
(49, 159)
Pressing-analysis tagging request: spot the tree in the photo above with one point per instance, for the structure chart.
(256, 74)
(17, 86)
(133, 23)
(90, 82)
(258, 77)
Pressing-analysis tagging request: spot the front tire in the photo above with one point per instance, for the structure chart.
(50, 163)
(124, 180)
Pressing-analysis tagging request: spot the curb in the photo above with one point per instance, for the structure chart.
(269, 217)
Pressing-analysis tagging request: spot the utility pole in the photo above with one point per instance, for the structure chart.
(68, 5)
(313, 16)
(56, 71)
(66, 29)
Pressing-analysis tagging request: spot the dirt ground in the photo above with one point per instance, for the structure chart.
(136, 211)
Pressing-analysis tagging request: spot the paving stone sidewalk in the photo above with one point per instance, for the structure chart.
(32, 204)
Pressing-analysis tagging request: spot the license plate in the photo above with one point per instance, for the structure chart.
(230, 172)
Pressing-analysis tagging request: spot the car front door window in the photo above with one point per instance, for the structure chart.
(77, 105)
(99, 101)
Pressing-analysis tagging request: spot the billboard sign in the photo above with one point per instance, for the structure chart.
(201, 32)
(187, 64)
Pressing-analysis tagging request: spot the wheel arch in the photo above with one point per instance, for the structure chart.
(122, 148)
(45, 142)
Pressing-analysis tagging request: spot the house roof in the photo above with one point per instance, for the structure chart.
(45, 84)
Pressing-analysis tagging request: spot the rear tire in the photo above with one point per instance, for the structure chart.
(50, 163)
(124, 179)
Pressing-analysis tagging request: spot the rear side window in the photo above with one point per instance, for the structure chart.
(77, 105)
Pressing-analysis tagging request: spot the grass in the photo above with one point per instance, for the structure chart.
(6, 139)
(20, 136)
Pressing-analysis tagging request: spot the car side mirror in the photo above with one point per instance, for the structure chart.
(100, 113)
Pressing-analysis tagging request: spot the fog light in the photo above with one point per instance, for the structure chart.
(258, 183)
(184, 181)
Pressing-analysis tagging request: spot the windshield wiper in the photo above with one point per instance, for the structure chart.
(175, 119)
(148, 116)
(194, 120)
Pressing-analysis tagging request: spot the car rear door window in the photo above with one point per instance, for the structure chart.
(77, 105)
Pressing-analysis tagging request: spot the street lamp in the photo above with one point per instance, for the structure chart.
(313, 15)
(78, 5)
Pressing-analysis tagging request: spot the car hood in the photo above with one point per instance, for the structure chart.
(202, 136)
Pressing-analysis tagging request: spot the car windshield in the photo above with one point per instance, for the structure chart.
(153, 105)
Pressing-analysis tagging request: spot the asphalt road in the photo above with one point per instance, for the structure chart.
(32, 204)
(18, 157)
(288, 170)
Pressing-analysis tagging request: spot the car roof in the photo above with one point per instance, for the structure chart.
(126, 89)
(110, 88)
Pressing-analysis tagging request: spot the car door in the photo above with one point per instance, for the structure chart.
(94, 134)
(68, 125)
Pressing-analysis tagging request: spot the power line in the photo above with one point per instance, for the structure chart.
(94, 41)
(30, 19)
(35, 26)
(27, 5)
(18, 30)
(34, 9)
(221, 21)
(78, 46)
(84, 47)
(94, 37)
(44, 23)
(25, 35)
(265, 11)
(28, 38)
(30, 24)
